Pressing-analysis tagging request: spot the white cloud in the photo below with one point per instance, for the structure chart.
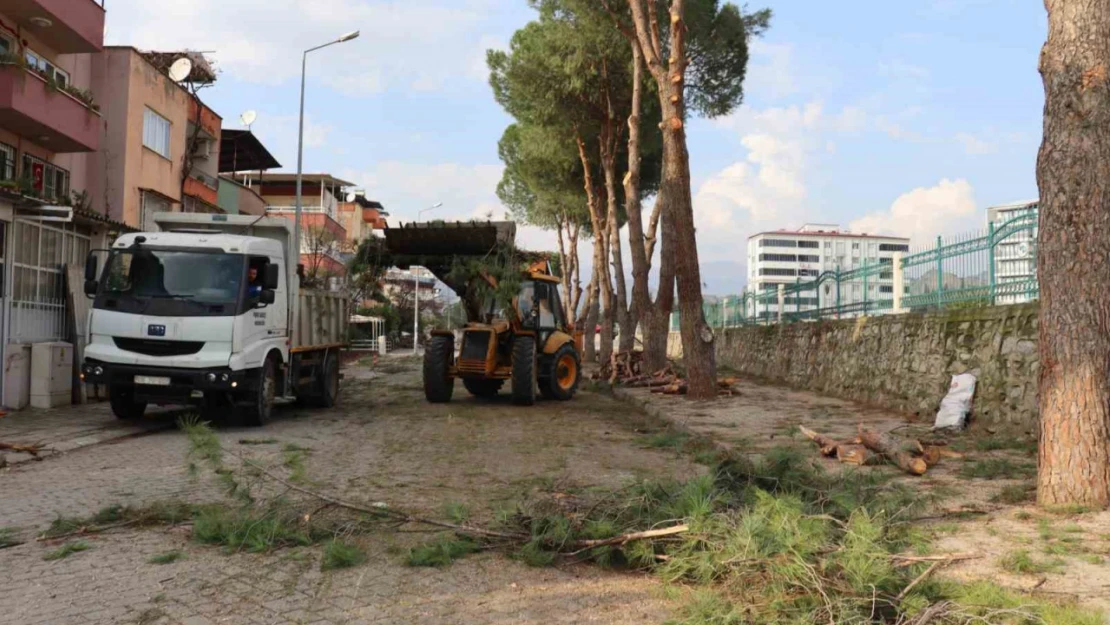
(402, 41)
(921, 214)
(974, 145)
(770, 69)
(767, 189)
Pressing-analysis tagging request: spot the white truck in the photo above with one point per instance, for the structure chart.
(201, 313)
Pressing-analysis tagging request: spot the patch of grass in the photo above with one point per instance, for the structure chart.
(339, 554)
(257, 441)
(1015, 494)
(167, 511)
(458, 513)
(1069, 509)
(708, 607)
(985, 602)
(293, 447)
(1093, 558)
(1000, 441)
(997, 469)
(168, 557)
(67, 550)
(668, 439)
(249, 529)
(1024, 515)
(7, 537)
(441, 552)
(1022, 563)
(293, 458)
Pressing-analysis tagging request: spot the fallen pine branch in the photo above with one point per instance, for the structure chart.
(34, 448)
(827, 445)
(947, 557)
(399, 515)
(892, 450)
(917, 580)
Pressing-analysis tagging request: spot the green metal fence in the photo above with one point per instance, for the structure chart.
(995, 266)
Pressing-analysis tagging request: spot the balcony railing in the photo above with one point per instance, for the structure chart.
(315, 208)
(209, 181)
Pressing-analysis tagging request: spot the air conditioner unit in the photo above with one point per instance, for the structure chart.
(203, 151)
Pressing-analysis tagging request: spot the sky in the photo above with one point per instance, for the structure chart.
(907, 118)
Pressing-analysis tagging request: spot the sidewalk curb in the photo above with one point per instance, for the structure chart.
(630, 397)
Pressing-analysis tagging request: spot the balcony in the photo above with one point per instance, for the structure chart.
(50, 117)
(203, 187)
(66, 26)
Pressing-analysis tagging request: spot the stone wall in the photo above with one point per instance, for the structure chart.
(903, 362)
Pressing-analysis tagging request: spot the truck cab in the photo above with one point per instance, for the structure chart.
(199, 316)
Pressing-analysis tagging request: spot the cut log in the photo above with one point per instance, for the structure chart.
(827, 445)
(892, 449)
(853, 454)
(932, 455)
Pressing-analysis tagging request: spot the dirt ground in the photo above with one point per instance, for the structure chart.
(1069, 550)
(383, 443)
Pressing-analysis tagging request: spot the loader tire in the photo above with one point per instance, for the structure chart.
(524, 370)
(562, 372)
(438, 384)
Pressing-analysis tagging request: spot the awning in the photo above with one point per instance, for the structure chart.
(240, 150)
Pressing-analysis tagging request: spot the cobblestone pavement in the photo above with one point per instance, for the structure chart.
(62, 430)
(382, 443)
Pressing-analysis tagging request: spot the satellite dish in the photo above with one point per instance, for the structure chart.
(350, 196)
(180, 69)
(248, 118)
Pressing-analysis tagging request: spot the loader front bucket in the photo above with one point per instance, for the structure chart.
(435, 245)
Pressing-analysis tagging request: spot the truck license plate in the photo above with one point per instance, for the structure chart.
(151, 380)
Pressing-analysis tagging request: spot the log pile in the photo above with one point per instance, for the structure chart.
(626, 369)
(872, 447)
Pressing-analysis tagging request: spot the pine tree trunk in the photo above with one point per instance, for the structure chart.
(1073, 173)
(602, 280)
(657, 318)
(697, 336)
(588, 320)
(641, 262)
(622, 314)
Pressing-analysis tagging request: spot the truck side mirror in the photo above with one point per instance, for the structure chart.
(90, 267)
(267, 297)
(270, 276)
(91, 287)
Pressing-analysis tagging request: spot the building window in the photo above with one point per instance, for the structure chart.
(840, 248)
(804, 258)
(813, 273)
(886, 289)
(46, 68)
(7, 162)
(38, 285)
(778, 258)
(151, 203)
(886, 275)
(6, 44)
(809, 244)
(156, 132)
(855, 245)
(772, 271)
(48, 180)
(777, 243)
(871, 249)
(893, 247)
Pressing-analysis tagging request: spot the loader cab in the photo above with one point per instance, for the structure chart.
(540, 308)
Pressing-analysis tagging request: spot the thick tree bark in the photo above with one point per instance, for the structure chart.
(641, 260)
(588, 320)
(622, 313)
(1073, 173)
(697, 336)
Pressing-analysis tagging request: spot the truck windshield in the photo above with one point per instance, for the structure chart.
(172, 282)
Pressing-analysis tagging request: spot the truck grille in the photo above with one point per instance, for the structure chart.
(475, 346)
(155, 347)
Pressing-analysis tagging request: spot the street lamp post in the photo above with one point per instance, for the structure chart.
(295, 257)
(416, 285)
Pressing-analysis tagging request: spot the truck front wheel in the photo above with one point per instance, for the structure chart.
(124, 405)
(261, 401)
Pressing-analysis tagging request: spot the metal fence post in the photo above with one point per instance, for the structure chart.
(838, 292)
(797, 294)
(899, 283)
(990, 260)
(940, 271)
(724, 312)
(782, 300)
(865, 293)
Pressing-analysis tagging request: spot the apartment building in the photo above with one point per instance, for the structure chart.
(51, 123)
(361, 216)
(796, 256)
(161, 145)
(1015, 256)
(324, 239)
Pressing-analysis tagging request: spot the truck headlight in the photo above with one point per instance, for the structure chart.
(223, 377)
(98, 370)
(211, 377)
